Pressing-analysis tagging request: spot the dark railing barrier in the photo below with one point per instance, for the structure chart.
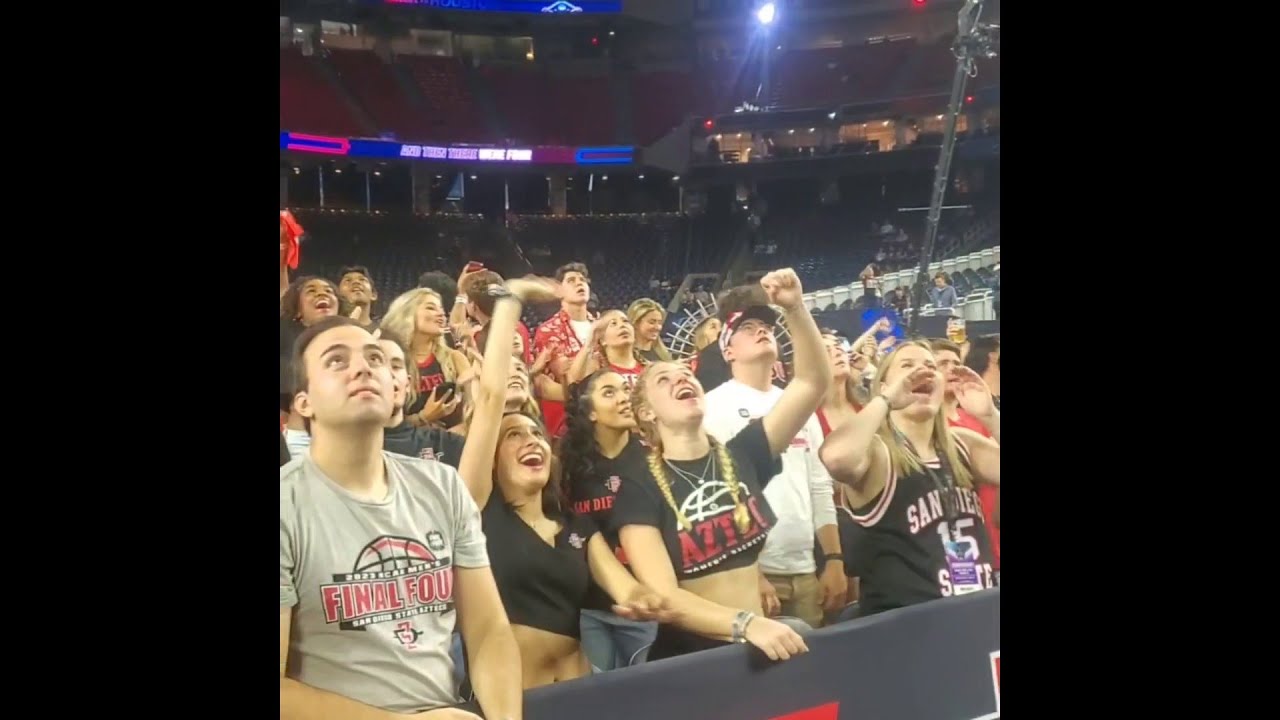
(936, 661)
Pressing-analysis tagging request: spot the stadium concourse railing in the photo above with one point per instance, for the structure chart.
(977, 305)
(927, 662)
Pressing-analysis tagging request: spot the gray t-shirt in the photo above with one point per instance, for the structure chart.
(371, 584)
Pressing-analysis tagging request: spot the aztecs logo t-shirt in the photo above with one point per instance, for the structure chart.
(714, 543)
(371, 584)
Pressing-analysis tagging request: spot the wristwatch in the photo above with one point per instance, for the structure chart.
(498, 291)
(740, 623)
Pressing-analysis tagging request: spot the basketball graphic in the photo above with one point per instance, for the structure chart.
(393, 579)
(392, 553)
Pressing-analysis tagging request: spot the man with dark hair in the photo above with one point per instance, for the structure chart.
(565, 333)
(712, 370)
(355, 285)
(477, 304)
(380, 556)
(943, 293)
(428, 442)
(446, 286)
(984, 359)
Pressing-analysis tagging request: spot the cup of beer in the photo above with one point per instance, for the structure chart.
(956, 330)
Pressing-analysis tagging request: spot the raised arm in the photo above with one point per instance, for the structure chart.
(476, 465)
(849, 452)
(805, 391)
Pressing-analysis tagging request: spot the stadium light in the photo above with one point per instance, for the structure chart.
(766, 13)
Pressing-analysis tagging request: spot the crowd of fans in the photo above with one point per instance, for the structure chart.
(471, 506)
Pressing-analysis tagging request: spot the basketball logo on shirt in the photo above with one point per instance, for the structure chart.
(613, 483)
(714, 538)
(995, 676)
(393, 579)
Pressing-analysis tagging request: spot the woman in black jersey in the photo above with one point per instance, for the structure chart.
(909, 482)
(542, 557)
(694, 529)
(599, 454)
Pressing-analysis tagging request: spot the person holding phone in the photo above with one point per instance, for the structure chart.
(420, 316)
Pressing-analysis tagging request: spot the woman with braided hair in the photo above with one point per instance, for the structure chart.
(694, 527)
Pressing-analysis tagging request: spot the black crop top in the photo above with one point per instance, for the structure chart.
(714, 545)
(594, 496)
(541, 587)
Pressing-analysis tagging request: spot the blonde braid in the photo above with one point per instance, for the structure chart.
(741, 517)
(658, 469)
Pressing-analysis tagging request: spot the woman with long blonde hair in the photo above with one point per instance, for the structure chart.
(420, 317)
(612, 346)
(908, 481)
(695, 521)
(646, 316)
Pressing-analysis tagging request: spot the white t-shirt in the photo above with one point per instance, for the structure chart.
(801, 496)
(582, 328)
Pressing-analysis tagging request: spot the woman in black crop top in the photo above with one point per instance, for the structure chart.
(600, 454)
(909, 482)
(542, 557)
(693, 531)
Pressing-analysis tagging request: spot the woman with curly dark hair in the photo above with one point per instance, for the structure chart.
(597, 449)
(306, 301)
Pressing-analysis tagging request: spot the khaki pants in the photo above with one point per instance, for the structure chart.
(800, 595)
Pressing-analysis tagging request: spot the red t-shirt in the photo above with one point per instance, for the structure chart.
(986, 493)
(629, 375)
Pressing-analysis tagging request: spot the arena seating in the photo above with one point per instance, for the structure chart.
(308, 103)
(543, 110)
(453, 113)
(373, 85)
(540, 107)
(660, 101)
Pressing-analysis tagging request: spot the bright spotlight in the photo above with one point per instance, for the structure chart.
(765, 13)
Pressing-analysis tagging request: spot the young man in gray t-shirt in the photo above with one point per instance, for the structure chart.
(379, 555)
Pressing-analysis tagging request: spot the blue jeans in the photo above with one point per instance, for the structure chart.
(613, 642)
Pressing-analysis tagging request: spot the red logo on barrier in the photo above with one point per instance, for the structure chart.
(995, 676)
(830, 711)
